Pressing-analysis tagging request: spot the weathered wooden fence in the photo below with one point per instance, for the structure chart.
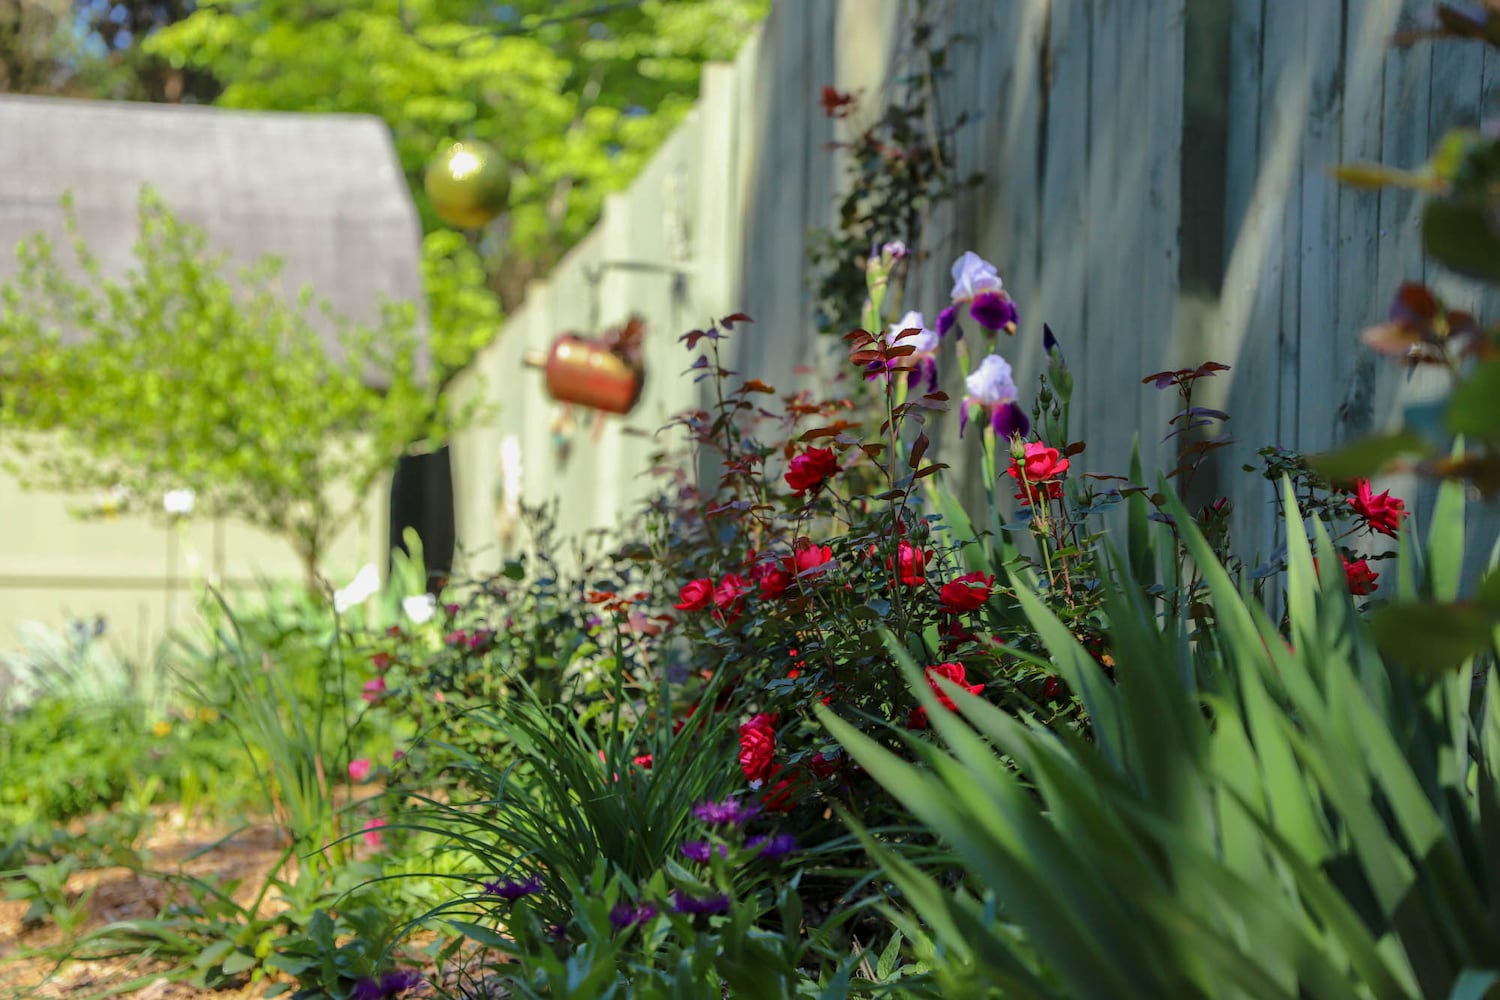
(1157, 189)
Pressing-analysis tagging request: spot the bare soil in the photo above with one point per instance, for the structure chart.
(174, 844)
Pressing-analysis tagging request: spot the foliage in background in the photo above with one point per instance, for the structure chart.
(92, 49)
(178, 376)
(576, 97)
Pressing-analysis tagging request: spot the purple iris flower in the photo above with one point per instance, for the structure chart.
(995, 312)
(973, 276)
(948, 320)
(992, 388)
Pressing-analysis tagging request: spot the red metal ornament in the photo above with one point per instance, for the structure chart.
(602, 373)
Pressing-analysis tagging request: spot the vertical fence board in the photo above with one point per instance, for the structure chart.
(1100, 350)
(1316, 320)
(1063, 237)
(1358, 304)
(1164, 25)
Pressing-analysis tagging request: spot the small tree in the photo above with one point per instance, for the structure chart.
(178, 376)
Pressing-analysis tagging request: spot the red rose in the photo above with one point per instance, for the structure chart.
(729, 595)
(781, 797)
(916, 718)
(757, 747)
(1039, 465)
(967, 593)
(1379, 511)
(824, 767)
(1037, 473)
(771, 579)
(954, 672)
(695, 595)
(808, 556)
(643, 761)
(1360, 577)
(911, 564)
(811, 469)
(1039, 491)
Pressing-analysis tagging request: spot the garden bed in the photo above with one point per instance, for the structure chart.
(114, 894)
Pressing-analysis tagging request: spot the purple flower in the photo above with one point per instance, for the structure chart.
(993, 389)
(699, 906)
(776, 845)
(923, 342)
(894, 250)
(625, 915)
(992, 383)
(730, 812)
(700, 850)
(994, 311)
(512, 889)
(1049, 342)
(973, 276)
(948, 320)
(925, 372)
(1009, 421)
(391, 985)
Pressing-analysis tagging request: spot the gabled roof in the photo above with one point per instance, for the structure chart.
(323, 192)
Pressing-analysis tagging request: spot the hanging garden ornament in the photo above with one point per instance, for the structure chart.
(468, 184)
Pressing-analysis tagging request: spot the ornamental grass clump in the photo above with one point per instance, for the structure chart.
(1260, 812)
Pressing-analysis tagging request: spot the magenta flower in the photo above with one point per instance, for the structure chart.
(993, 390)
(359, 769)
(730, 812)
(373, 689)
(371, 834)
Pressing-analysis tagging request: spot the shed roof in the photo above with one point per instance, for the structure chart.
(323, 192)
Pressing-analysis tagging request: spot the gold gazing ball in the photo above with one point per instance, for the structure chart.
(468, 184)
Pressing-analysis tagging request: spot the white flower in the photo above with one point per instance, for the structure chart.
(925, 342)
(973, 275)
(991, 383)
(179, 503)
(419, 608)
(366, 584)
(112, 500)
